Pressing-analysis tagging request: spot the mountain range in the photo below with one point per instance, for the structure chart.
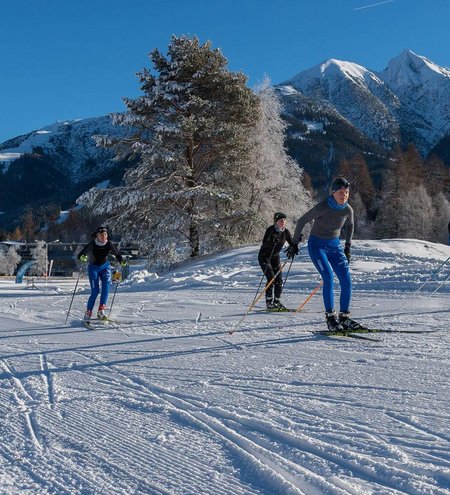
(334, 110)
(339, 108)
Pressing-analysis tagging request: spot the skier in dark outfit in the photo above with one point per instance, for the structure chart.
(325, 250)
(96, 252)
(269, 258)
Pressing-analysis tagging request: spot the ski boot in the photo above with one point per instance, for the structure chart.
(270, 304)
(101, 314)
(333, 322)
(349, 324)
(87, 315)
(279, 305)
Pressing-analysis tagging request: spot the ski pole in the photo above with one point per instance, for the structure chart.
(287, 274)
(117, 277)
(428, 280)
(271, 281)
(112, 300)
(73, 295)
(308, 298)
(440, 285)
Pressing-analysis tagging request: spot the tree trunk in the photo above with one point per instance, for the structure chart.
(194, 239)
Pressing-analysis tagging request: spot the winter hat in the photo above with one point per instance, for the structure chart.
(278, 216)
(339, 183)
(100, 230)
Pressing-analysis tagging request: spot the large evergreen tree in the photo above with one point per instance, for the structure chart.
(192, 127)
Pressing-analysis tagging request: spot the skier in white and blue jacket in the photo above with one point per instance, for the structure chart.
(330, 217)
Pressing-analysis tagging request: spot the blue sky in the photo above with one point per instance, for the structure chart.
(69, 59)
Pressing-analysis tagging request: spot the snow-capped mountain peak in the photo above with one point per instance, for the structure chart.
(411, 70)
(409, 101)
(331, 68)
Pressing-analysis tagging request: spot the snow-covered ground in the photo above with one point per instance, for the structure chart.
(168, 402)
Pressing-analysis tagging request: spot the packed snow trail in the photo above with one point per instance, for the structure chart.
(164, 401)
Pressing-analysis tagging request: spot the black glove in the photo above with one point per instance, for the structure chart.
(347, 251)
(292, 251)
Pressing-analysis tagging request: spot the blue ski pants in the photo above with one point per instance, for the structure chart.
(99, 273)
(329, 259)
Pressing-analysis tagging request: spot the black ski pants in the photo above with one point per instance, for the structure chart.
(270, 266)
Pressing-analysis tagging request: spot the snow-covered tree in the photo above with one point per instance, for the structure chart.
(9, 260)
(277, 178)
(191, 139)
(440, 218)
(415, 213)
(2, 262)
(39, 254)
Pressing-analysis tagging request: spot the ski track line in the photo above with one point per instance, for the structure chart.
(25, 465)
(414, 425)
(276, 476)
(195, 471)
(40, 464)
(359, 463)
(48, 379)
(121, 482)
(389, 450)
(26, 405)
(182, 410)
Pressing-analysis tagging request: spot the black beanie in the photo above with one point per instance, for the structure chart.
(278, 216)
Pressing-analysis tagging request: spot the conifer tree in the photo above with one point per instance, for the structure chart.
(397, 182)
(191, 140)
(357, 172)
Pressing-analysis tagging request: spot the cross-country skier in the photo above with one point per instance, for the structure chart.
(96, 252)
(269, 258)
(330, 217)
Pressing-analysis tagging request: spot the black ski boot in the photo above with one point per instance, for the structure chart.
(349, 324)
(269, 303)
(333, 322)
(279, 305)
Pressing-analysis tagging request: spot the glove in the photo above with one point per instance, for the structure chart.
(84, 258)
(292, 251)
(347, 251)
(123, 263)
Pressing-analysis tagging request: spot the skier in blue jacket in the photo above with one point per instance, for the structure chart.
(330, 217)
(99, 269)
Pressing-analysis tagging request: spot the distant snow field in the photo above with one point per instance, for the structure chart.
(165, 401)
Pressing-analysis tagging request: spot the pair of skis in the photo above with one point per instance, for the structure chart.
(95, 323)
(361, 333)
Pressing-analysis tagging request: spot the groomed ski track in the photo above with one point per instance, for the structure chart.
(171, 404)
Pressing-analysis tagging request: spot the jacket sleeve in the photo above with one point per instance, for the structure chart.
(85, 250)
(114, 252)
(289, 238)
(309, 216)
(349, 226)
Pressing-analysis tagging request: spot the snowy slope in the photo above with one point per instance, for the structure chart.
(170, 403)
